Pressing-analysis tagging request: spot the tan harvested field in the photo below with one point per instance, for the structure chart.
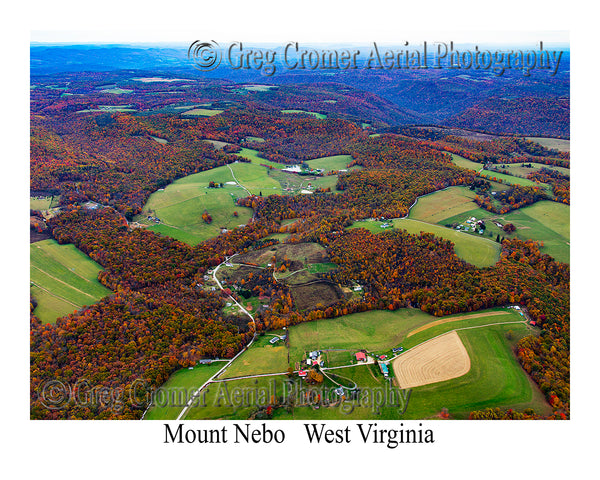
(218, 145)
(306, 296)
(559, 144)
(439, 359)
(454, 319)
(443, 204)
(202, 112)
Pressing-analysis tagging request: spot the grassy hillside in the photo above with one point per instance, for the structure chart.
(506, 179)
(43, 203)
(261, 357)
(63, 279)
(334, 162)
(252, 155)
(180, 206)
(178, 389)
(495, 377)
(320, 116)
(520, 171)
(545, 221)
(553, 143)
(443, 204)
(476, 250)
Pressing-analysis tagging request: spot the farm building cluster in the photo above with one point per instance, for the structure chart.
(472, 225)
(303, 170)
(314, 359)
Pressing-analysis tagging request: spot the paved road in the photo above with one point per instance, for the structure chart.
(211, 379)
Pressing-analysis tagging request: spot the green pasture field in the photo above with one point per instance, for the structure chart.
(512, 180)
(40, 203)
(177, 390)
(116, 91)
(559, 144)
(63, 278)
(111, 109)
(478, 167)
(376, 330)
(258, 88)
(255, 178)
(326, 181)
(202, 112)
(252, 155)
(238, 399)
(321, 267)
(338, 357)
(442, 204)
(464, 163)
(261, 357)
(178, 233)
(481, 252)
(490, 175)
(544, 221)
(367, 378)
(334, 162)
(188, 107)
(460, 321)
(49, 306)
(518, 170)
(379, 331)
(235, 399)
(495, 379)
(320, 116)
(180, 205)
(293, 184)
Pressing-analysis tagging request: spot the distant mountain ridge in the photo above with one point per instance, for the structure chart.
(461, 97)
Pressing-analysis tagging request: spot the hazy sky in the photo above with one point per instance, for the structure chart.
(185, 37)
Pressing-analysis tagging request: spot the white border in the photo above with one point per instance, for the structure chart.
(463, 449)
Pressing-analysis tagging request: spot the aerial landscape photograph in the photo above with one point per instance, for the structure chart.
(274, 229)
(371, 232)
